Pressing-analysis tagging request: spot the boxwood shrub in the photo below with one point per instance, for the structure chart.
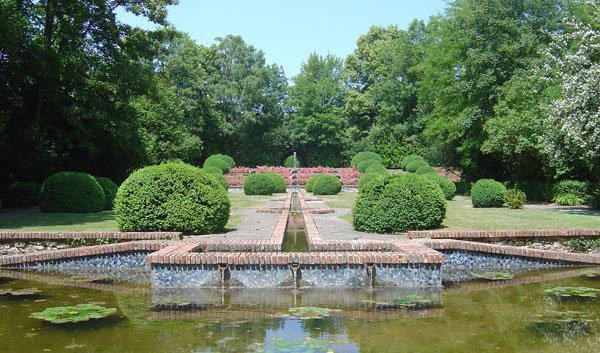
(23, 194)
(71, 192)
(220, 161)
(488, 193)
(171, 197)
(289, 162)
(327, 185)
(278, 183)
(424, 169)
(410, 158)
(220, 179)
(447, 186)
(362, 166)
(363, 156)
(311, 182)
(366, 178)
(376, 168)
(416, 164)
(398, 203)
(212, 170)
(110, 190)
(259, 184)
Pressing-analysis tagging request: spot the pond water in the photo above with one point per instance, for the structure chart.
(467, 317)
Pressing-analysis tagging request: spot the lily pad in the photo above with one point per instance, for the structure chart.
(73, 314)
(309, 312)
(22, 292)
(493, 276)
(569, 323)
(411, 301)
(91, 279)
(573, 292)
(307, 344)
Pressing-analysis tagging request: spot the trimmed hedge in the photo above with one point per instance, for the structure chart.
(280, 187)
(364, 156)
(488, 193)
(362, 166)
(424, 169)
(212, 170)
(71, 192)
(416, 164)
(219, 163)
(376, 168)
(398, 203)
(311, 182)
(110, 190)
(447, 186)
(259, 184)
(220, 178)
(573, 187)
(327, 185)
(410, 158)
(289, 162)
(171, 197)
(366, 178)
(23, 194)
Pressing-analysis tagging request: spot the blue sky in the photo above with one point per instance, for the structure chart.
(288, 31)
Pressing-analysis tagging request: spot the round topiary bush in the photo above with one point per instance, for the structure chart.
(447, 186)
(216, 162)
(259, 184)
(366, 178)
(414, 165)
(289, 162)
(23, 194)
(220, 178)
(327, 185)
(71, 192)
(171, 197)
(398, 203)
(362, 166)
(212, 170)
(376, 168)
(309, 183)
(410, 158)
(363, 156)
(110, 190)
(424, 169)
(279, 183)
(230, 161)
(488, 193)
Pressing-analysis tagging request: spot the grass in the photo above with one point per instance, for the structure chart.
(341, 200)
(240, 201)
(234, 221)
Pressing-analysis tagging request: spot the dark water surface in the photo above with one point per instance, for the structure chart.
(469, 317)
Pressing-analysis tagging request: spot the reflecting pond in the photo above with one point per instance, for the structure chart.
(499, 316)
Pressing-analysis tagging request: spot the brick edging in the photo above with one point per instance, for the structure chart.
(473, 234)
(33, 236)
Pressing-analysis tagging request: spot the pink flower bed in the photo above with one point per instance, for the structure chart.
(348, 176)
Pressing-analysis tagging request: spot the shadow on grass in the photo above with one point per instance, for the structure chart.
(59, 221)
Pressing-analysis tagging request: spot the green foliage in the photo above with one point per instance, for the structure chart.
(424, 169)
(583, 244)
(71, 192)
(367, 178)
(515, 199)
(573, 292)
(104, 241)
(362, 166)
(73, 314)
(488, 193)
(310, 182)
(23, 194)
(220, 179)
(414, 165)
(77, 241)
(327, 185)
(363, 156)
(216, 161)
(493, 276)
(573, 187)
(212, 170)
(567, 200)
(448, 187)
(171, 197)
(565, 324)
(20, 293)
(410, 158)
(398, 203)
(289, 162)
(280, 187)
(259, 184)
(110, 190)
(463, 187)
(594, 201)
(376, 168)
(535, 190)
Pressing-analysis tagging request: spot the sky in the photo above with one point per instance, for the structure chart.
(288, 31)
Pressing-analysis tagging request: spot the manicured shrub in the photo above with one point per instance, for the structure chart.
(366, 178)
(71, 192)
(216, 161)
(488, 193)
(573, 187)
(515, 199)
(567, 200)
(110, 190)
(212, 170)
(309, 183)
(280, 186)
(362, 166)
(447, 186)
(398, 203)
(363, 156)
(534, 189)
(289, 162)
(259, 184)
(23, 194)
(220, 179)
(414, 165)
(376, 168)
(227, 159)
(424, 169)
(171, 197)
(327, 185)
(410, 158)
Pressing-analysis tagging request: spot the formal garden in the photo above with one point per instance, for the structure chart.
(437, 190)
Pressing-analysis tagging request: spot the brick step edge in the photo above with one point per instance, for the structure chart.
(33, 236)
(473, 234)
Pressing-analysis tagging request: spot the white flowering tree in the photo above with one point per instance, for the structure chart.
(572, 134)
